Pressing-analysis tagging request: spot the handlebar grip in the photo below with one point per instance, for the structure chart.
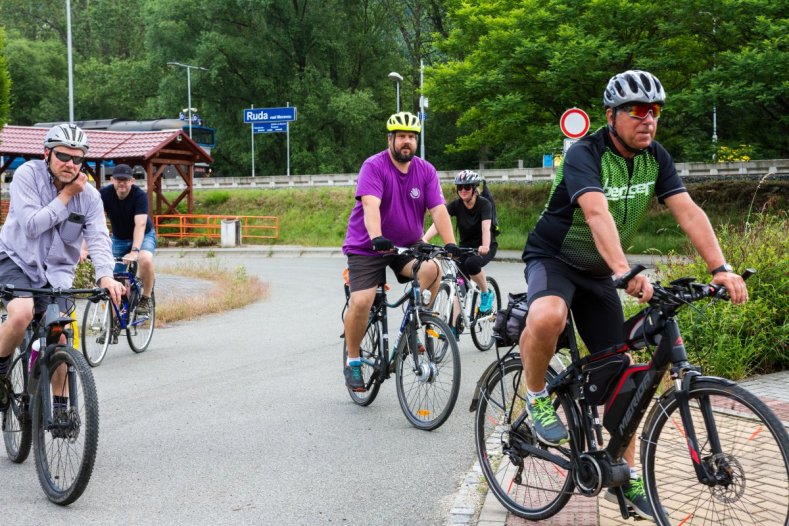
(622, 281)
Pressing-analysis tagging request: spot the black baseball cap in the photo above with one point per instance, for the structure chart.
(122, 171)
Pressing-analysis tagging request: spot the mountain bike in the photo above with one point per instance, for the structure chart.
(426, 360)
(103, 322)
(711, 452)
(48, 398)
(456, 285)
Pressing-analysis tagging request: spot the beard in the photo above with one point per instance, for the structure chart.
(402, 157)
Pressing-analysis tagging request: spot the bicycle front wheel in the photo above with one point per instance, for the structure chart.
(96, 331)
(428, 387)
(750, 469)
(370, 353)
(140, 329)
(526, 485)
(442, 306)
(482, 327)
(17, 430)
(65, 450)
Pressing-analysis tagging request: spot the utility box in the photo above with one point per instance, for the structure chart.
(230, 233)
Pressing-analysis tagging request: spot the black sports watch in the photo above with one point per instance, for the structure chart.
(135, 249)
(723, 268)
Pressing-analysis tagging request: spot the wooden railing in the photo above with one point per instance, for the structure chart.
(184, 226)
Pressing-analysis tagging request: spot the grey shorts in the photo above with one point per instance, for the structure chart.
(594, 302)
(367, 272)
(11, 274)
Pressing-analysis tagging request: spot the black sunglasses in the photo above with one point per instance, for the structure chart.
(465, 187)
(64, 157)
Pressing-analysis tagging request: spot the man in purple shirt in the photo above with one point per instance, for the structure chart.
(393, 192)
(53, 208)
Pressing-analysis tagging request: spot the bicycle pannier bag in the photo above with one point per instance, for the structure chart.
(600, 377)
(510, 322)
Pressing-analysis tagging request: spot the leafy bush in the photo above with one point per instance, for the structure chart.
(736, 341)
(214, 197)
(84, 275)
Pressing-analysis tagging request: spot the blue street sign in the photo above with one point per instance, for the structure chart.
(269, 127)
(422, 115)
(254, 115)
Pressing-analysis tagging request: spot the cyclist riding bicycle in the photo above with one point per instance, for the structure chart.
(599, 196)
(53, 208)
(474, 216)
(393, 191)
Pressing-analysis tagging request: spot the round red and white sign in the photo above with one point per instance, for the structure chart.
(574, 123)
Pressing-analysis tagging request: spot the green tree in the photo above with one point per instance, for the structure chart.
(5, 82)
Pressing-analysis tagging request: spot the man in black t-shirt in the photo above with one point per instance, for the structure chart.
(133, 236)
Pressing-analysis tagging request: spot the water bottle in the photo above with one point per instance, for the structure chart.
(34, 350)
(462, 287)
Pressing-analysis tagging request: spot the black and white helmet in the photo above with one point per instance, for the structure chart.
(633, 86)
(69, 135)
(468, 177)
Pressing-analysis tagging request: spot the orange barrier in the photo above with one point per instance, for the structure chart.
(202, 225)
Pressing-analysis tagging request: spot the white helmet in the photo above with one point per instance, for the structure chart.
(69, 135)
(633, 86)
(468, 177)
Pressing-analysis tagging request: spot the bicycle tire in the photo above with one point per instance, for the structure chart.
(427, 396)
(753, 468)
(442, 306)
(482, 328)
(17, 428)
(140, 330)
(370, 352)
(65, 454)
(96, 331)
(544, 487)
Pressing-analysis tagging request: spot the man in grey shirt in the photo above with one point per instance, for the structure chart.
(53, 207)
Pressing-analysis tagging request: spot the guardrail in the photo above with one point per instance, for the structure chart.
(185, 226)
(711, 170)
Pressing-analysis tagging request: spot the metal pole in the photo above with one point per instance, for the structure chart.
(252, 129)
(287, 132)
(70, 64)
(189, 96)
(398, 96)
(422, 108)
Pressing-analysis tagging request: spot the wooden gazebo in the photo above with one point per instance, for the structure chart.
(154, 151)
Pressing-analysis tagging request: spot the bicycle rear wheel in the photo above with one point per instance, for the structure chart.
(442, 306)
(140, 329)
(370, 353)
(66, 451)
(482, 327)
(428, 389)
(17, 429)
(528, 486)
(751, 470)
(96, 331)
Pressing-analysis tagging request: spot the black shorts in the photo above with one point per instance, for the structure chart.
(11, 274)
(594, 302)
(367, 272)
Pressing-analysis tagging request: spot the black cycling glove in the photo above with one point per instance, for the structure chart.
(452, 249)
(382, 244)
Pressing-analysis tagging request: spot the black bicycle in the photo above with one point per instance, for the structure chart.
(712, 453)
(426, 360)
(104, 321)
(48, 398)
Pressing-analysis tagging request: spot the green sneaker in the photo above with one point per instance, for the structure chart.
(635, 497)
(547, 426)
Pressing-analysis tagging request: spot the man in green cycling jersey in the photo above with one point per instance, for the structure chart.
(599, 196)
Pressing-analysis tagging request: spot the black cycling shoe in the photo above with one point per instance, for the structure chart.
(354, 379)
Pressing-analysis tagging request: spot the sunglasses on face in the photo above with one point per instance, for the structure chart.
(465, 187)
(64, 157)
(641, 110)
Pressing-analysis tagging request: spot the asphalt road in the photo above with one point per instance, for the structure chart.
(243, 418)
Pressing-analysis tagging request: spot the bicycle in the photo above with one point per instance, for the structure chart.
(456, 285)
(711, 452)
(103, 322)
(426, 360)
(48, 399)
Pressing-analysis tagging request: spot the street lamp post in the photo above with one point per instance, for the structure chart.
(714, 101)
(189, 68)
(397, 78)
(70, 64)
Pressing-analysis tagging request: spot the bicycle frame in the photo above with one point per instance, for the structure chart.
(131, 298)
(451, 274)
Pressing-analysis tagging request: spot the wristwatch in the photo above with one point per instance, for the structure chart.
(135, 249)
(723, 268)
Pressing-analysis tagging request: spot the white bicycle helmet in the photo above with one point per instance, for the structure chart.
(69, 135)
(468, 177)
(633, 86)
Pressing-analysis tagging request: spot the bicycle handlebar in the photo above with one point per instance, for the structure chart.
(8, 292)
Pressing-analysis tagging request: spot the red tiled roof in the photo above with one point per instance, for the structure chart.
(104, 145)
